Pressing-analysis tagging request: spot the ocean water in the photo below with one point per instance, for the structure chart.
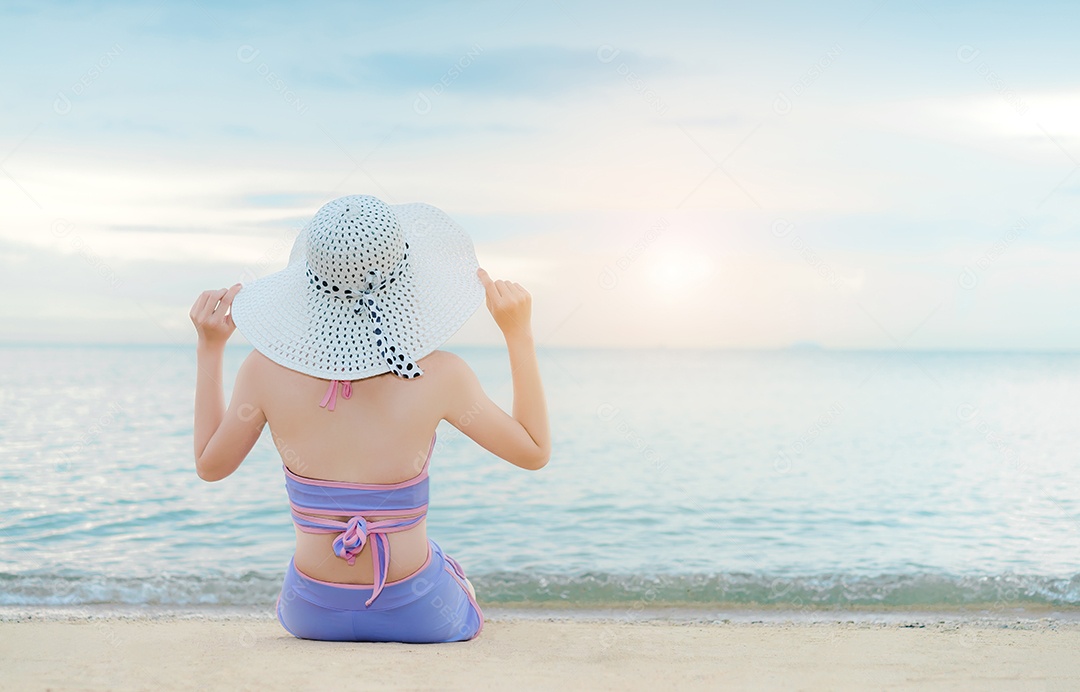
(805, 478)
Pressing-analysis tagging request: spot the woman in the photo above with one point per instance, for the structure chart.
(347, 374)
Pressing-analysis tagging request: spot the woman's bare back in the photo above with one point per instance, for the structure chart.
(381, 434)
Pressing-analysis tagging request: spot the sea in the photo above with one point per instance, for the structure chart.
(805, 480)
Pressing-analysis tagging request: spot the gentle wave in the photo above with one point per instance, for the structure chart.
(879, 480)
(580, 591)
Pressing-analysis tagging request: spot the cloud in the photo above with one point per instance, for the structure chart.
(282, 199)
(530, 71)
(199, 152)
(1048, 122)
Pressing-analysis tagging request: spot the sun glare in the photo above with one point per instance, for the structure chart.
(680, 270)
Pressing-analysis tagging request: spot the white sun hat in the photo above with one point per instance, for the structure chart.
(369, 288)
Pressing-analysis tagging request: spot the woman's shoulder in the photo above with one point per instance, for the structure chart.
(444, 362)
(448, 373)
(260, 365)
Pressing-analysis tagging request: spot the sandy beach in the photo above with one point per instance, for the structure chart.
(555, 653)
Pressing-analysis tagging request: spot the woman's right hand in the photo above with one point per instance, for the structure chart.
(509, 304)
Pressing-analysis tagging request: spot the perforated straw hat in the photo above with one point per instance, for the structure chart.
(370, 288)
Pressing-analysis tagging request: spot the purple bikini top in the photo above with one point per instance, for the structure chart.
(366, 502)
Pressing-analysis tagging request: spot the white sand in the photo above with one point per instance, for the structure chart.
(184, 653)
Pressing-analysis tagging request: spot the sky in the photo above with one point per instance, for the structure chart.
(878, 174)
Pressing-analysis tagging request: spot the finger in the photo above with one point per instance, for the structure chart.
(489, 285)
(200, 304)
(211, 304)
(485, 278)
(500, 286)
(227, 299)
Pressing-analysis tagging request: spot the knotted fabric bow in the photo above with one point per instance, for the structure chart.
(350, 542)
(354, 536)
(331, 393)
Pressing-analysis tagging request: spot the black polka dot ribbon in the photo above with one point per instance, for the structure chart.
(400, 364)
(368, 304)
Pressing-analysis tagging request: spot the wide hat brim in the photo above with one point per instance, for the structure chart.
(322, 336)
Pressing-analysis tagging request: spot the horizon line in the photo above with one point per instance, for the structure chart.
(795, 348)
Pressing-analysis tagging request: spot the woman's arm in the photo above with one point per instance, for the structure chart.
(223, 437)
(530, 408)
(523, 439)
(209, 393)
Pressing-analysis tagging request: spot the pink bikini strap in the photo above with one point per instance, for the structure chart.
(331, 393)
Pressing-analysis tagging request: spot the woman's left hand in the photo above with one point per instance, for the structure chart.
(208, 315)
